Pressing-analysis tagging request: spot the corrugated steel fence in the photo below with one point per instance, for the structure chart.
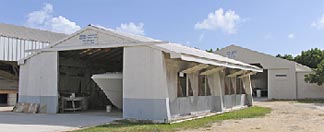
(13, 49)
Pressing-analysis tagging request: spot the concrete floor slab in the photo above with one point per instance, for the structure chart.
(16, 122)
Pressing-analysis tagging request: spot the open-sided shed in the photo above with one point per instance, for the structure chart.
(161, 81)
(17, 42)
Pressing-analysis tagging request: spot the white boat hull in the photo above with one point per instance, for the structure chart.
(111, 85)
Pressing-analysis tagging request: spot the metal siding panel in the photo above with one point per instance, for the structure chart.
(12, 45)
(1, 48)
(39, 45)
(29, 45)
(13, 49)
(24, 47)
(7, 50)
(4, 48)
(35, 45)
(19, 50)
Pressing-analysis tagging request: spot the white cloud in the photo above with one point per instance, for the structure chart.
(319, 24)
(43, 19)
(61, 24)
(291, 36)
(226, 21)
(40, 17)
(132, 28)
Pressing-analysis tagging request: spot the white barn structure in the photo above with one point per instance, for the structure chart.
(161, 81)
(280, 79)
(17, 42)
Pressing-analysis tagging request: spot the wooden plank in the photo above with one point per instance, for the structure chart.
(195, 68)
(211, 71)
(247, 74)
(8, 91)
(236, 73)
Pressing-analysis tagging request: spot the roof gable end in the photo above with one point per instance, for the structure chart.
(97, 35)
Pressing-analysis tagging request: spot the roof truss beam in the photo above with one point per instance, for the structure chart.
(236, 73)
(211, 71)
(195, 68)
(247, 74)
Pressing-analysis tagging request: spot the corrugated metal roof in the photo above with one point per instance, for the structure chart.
(299, 67)
(172, 48)
(29, 33)
(129, 35)
(302, 68)
(181, 49)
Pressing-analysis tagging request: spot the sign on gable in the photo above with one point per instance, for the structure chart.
(231, 54)
(88, 38)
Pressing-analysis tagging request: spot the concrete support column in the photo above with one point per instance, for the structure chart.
(145, 88)
(193, 77)
(214, 82)
(12, 99)
(233, 81)
(248, 90)
(234, 92)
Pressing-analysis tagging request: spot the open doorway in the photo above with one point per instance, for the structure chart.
(75, 71)
(259, 82)
(3, 99)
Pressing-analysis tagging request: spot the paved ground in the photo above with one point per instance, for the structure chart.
(22, 122)
(287, 116)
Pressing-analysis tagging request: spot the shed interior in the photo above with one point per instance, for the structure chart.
(259, 81)
(76, 68)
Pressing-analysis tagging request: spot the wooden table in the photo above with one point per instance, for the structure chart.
(73, 101)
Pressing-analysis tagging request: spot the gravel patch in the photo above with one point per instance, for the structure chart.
(286, 116)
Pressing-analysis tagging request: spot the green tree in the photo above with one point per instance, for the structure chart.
(286, 56)
(317, 76)
(212, 51)
(310, 58)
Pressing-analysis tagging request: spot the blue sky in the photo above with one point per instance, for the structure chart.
(273, 27)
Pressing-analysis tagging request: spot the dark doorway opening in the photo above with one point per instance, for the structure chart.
(3, 99)
(259, 81)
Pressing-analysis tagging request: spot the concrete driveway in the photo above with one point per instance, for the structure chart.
(22, 122)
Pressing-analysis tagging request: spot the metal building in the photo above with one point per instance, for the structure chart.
(17, 42)
(156, 80)
(280, 79)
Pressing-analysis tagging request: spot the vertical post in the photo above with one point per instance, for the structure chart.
(214, 81)
(12, 99)
(248, 90)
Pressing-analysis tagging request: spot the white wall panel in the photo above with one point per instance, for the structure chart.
(39, 80)
(308, 90)
(144, 73)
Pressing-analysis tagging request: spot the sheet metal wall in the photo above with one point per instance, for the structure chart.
(13, 49)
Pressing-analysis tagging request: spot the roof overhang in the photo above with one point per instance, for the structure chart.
(218, 63)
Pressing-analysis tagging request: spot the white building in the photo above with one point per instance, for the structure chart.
(280, 79)
(17, 42)
(161, 81)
